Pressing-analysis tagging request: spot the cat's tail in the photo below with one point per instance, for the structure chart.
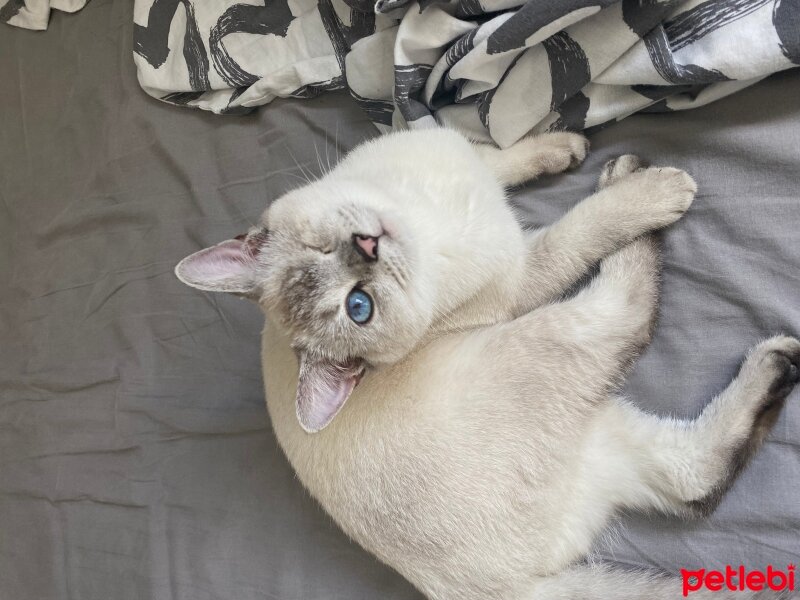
(600, 582)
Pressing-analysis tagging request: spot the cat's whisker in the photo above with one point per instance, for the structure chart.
(303, 180)
(322, 170)
(306, 174)
(287, 171)
(327, 152)
(336, 142)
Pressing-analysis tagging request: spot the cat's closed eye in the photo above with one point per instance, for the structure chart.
(321, 249)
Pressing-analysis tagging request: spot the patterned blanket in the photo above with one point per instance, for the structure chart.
(496, 69)
(35, 14)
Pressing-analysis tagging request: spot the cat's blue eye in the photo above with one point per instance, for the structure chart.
(359, 306)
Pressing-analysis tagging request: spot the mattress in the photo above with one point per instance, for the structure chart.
(136, 456)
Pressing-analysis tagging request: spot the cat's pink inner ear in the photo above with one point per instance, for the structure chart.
(226, 267)
(322, 389)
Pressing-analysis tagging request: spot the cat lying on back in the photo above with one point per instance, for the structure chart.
(433, 392)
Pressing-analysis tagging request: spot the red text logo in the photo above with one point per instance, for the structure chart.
(738, 580)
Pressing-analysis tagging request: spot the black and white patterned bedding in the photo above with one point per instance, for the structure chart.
(494, 68)
(35, 14)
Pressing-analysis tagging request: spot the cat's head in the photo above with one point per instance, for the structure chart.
(345, 275)
(360, 266)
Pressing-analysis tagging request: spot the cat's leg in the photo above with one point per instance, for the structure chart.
(685, 466)
(544, 154)
(632, 200)
(586, 343)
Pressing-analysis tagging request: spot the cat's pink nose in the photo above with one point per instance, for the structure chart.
(367, 246)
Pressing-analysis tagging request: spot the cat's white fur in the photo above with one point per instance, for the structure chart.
(484, 450)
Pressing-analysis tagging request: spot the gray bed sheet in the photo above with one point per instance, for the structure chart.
(136, 456)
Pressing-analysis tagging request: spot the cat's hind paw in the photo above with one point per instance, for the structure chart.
(743, 415)
(774, 366)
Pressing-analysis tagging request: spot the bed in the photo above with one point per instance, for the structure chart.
(136, 456)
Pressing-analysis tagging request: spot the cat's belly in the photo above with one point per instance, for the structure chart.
(461, 507)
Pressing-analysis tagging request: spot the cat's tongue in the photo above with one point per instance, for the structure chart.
(322, 389)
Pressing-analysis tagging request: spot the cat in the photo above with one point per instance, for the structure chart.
(443, 401)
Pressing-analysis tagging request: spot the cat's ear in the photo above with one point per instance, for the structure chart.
(322, 390)
(226, 267)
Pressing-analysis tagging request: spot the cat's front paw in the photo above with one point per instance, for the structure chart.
(569, 149)
(672, 190)
(551, 153)
(661, 194)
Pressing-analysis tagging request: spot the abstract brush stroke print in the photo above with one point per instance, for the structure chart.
(495, 69)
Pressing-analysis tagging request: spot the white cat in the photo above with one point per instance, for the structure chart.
(435, 395)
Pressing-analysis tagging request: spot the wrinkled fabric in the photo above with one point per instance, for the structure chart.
(137, 459)
(495, 69)
(35, 14)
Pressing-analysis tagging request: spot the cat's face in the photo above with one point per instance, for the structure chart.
(341, 270)
(407, 235)
(343, 274)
